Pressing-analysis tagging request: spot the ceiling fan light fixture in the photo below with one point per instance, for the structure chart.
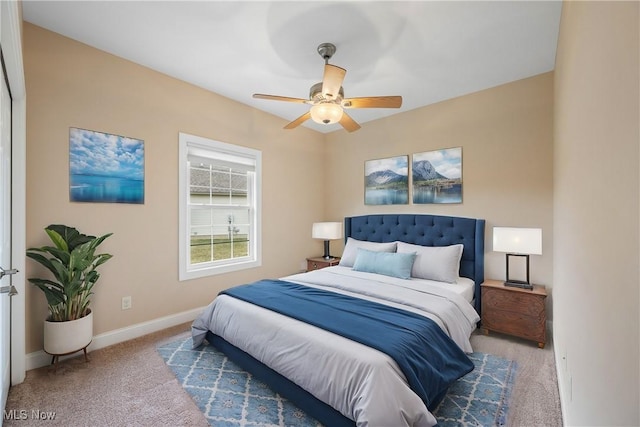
(326, 113)
(327, 97)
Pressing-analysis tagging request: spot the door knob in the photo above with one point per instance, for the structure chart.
(11, 290)
(9, 272)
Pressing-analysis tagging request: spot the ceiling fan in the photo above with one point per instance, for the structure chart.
(327, 97)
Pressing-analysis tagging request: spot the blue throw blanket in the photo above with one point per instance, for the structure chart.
(429, 359)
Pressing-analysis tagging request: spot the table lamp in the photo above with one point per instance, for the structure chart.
(327, 231)
(517, 242)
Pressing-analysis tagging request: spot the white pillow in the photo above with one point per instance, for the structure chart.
(351, 250)
(441, 263)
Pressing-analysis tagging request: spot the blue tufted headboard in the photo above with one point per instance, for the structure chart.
(427, 230)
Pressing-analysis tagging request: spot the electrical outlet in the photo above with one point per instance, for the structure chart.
(126, 303)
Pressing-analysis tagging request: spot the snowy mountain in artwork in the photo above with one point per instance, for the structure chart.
(423, 170)
(384, 177)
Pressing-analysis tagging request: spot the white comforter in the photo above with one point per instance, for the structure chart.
(363, 384)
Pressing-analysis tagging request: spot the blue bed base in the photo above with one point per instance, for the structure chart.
(426, 230)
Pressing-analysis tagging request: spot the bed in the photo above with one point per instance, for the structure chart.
(294, 334)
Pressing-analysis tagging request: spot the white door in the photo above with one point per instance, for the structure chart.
(13, 140)
(6, 269)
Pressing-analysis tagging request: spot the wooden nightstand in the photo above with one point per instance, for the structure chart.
(319, 262)
(515, 311)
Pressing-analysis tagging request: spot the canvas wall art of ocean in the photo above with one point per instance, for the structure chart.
(105, 168)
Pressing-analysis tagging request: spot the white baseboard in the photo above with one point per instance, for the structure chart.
(38, 359)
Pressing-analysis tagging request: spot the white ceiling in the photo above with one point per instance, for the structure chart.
(425, 51)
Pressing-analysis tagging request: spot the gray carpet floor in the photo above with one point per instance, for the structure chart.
(128, 384)
(535, 400)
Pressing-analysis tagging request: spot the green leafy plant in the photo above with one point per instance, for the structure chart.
(73, 263)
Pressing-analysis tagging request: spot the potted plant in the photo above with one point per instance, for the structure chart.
(73, 262)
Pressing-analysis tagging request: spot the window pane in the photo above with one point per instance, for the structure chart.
(198, 185)
(239, 189)
(200, 248)
(220, 182)
(241, 241)
(239, 199)
(239, 182)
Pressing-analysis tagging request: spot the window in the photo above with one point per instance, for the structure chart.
(219, 207)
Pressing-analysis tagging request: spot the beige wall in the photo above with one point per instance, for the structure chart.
(596, 215)
(506, 139)
(72, 85)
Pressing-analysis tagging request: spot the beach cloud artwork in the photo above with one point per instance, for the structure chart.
(105, 168)
(437, 176)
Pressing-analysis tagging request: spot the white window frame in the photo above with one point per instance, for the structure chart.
(212, 147)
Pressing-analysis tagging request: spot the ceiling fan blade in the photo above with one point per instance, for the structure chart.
(348, 123)
(279, 98)
(297, 122)
(373, 102)
(332, 80)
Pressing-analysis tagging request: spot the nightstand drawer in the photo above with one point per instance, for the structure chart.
(518, 324)
(318, 263)
(526, 304)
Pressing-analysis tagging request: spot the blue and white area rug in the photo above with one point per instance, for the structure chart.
(229, 396)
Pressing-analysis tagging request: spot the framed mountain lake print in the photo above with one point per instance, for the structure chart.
(105, 168)
(437, 176)
(386, 181)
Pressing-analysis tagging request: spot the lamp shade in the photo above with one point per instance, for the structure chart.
(327, 230)
(326, 113)
(517, 240)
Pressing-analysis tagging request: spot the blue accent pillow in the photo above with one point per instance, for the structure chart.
(388, 263)
(350, 251)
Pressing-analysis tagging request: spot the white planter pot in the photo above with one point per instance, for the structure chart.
(68, 337)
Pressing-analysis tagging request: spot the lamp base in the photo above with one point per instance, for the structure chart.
(326, 251)
(518, 284)
(524, 284)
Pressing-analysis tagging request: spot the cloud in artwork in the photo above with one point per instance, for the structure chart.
(397, 164)
(447, 162)
(102, 154)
